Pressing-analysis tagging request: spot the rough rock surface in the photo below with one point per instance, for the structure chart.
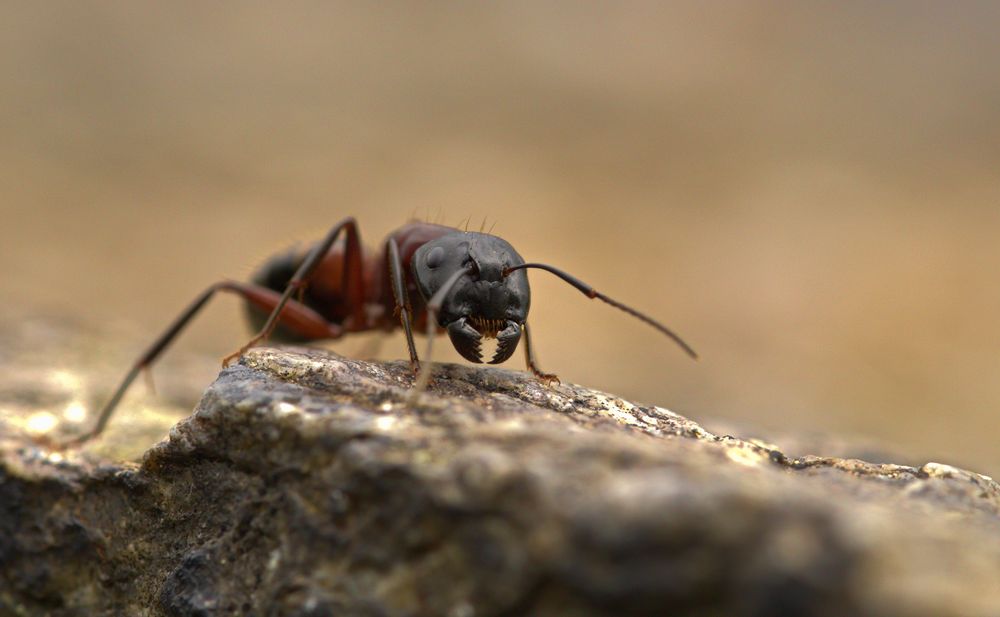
(305, 484)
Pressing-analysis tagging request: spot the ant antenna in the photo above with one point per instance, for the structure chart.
(590, 292)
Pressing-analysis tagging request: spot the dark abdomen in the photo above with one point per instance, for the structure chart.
(274, 274)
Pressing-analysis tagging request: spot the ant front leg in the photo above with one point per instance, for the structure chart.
(529, 358)
(353, 282)
(433, 308)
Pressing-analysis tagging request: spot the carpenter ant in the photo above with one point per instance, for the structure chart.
(426, 277)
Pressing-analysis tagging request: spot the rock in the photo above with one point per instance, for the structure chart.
(53, 369)
(305, 484)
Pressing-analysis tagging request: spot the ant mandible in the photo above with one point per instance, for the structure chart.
(427, 277)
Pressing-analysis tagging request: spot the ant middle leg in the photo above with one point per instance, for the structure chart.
(353, 282)
(403, 309)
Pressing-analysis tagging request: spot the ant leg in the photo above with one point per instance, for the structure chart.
(433, 306)
(353, 281)
(403, 308)
(529, 358)
(297, 316)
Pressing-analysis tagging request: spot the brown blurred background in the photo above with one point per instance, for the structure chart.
(808, 192)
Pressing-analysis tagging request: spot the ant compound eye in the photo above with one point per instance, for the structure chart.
(434, 257)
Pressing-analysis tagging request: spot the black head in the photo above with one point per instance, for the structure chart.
(481, 303)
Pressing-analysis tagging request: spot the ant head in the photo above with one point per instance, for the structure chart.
(486, 301)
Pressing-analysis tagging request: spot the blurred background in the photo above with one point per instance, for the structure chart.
(808, 192)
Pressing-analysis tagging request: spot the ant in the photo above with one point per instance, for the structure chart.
(426, 277)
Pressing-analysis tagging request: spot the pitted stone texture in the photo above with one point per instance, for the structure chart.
(308, 484)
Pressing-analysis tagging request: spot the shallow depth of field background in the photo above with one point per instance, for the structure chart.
(808, 192)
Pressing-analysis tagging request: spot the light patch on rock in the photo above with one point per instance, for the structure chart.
(618, 409)
(745, 456)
